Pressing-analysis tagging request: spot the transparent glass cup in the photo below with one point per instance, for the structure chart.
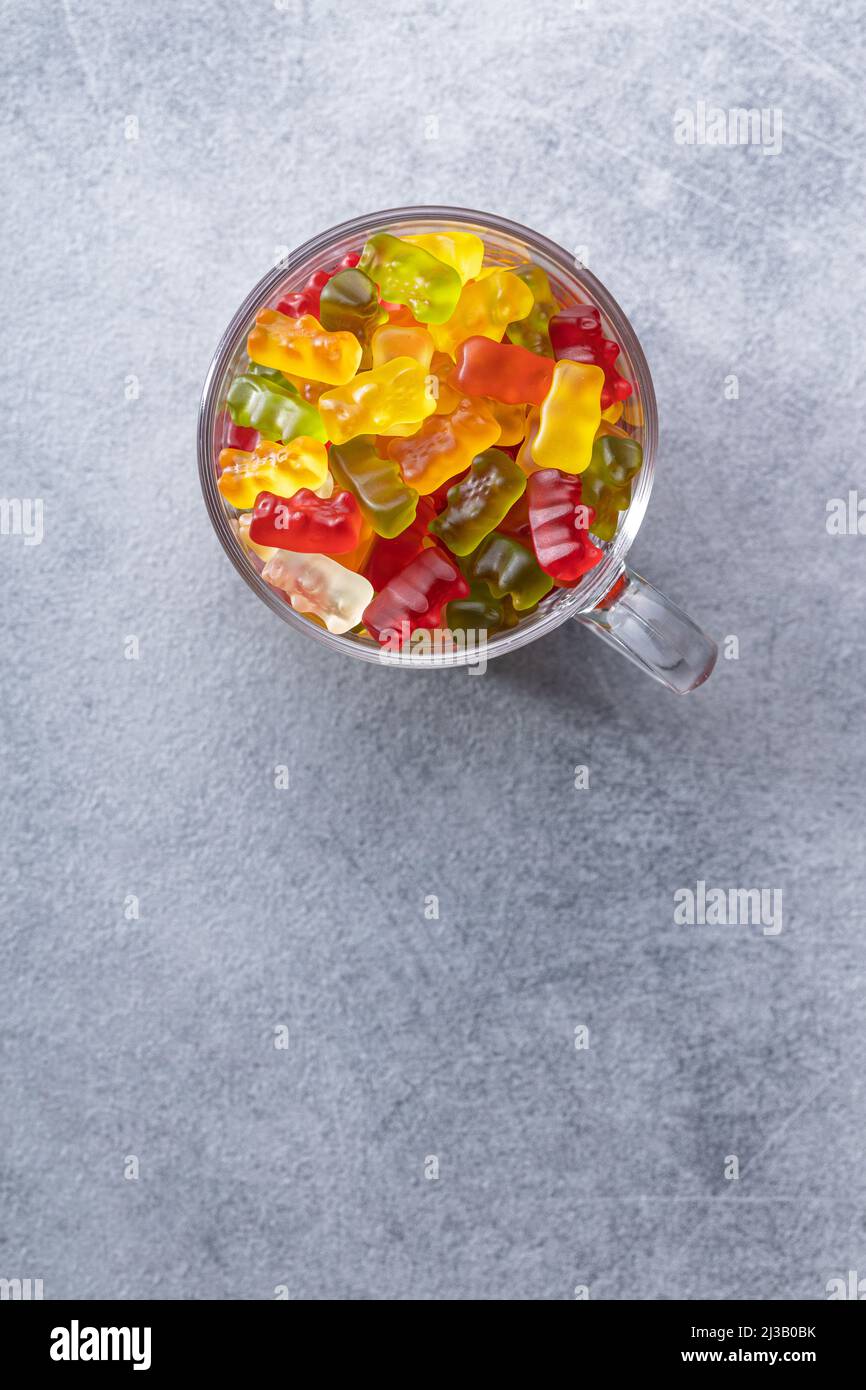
(611, 600)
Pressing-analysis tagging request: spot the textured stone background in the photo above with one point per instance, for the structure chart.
(259, 126)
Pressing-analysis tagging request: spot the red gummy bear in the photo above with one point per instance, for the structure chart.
(305, 522)
(576, 334)
(414, 597)
(388, 557)
(559, 524)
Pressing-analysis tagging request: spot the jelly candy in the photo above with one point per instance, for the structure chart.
(560, 520)
(391, 394)
(303, 463)
(576, 334)
(422, 438)
(303, 347)
(320, 585)
(464, 251)
(607, 481)
(306, 522)
(357, 559)
(241, 527)
(511, 420)
(273, 408)
(478, 503)
(569, 417)
(444, 445)
(388, 557)
(508, 373)
(388, 505)
(408, 274)
(508, 567)
(447, 396)
(478, 612)
(349, 303)
(415, 597)
(392, 340)
(485, 308)
(532, 331)
(305, 301)
(615, 460)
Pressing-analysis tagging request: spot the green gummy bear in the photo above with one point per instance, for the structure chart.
(606, 483)
(408, 274)
(274, 408)
(384, 499)
(350, 304)
(508, 568)
(607, 502)
(478, 612)
(477, 504)
(615, 460)
(533, 332)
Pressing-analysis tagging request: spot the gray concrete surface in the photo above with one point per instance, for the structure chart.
(305, 1167)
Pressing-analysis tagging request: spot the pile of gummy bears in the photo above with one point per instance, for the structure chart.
(423, 440)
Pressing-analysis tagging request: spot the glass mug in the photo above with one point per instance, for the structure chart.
(611, 600)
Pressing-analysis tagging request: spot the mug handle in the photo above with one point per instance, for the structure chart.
(653, 633)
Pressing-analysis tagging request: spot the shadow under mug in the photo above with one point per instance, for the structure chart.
(614, 602)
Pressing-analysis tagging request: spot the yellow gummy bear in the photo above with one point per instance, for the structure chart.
(272, 467)
(569, 417)
(485, 308)
(398, 340)
(463, 251)
(302, 347)
(393, 394)
(394, 340)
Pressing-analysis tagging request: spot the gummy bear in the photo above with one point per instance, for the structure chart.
(478, 503)
(303, 347)
(391, 394)
(508, 373)
(388, 557)
(485, 308)
(415, 597)
(464, 251)
(349, 303)
(532, 331)
(508, 568)
(408, 274)
(306, 522)
(320, 585)
(273, 408)
(303, 463)
(444, 445)
(560, 522)
(569, 417)
(384, 499)
(576, 334)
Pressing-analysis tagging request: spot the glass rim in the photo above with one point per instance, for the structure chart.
(591, 590)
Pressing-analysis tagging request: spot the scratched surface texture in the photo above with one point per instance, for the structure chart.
(153, 1139)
